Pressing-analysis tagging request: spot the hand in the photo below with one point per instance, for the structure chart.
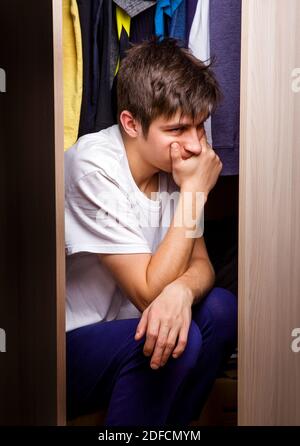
(167, 318)
(198, 172)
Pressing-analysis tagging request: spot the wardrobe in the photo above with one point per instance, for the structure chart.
(32, 304)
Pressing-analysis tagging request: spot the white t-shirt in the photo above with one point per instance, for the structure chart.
(106, 212)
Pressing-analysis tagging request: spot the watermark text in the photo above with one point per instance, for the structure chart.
(114, 211)
(2, 341)
(2, 81)
(296, 80)
(295, 344)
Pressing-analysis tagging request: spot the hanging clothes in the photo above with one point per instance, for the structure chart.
(177, 26)
(165, 9)
(142, 26)
(136, 7)
(191, 6)
(125, 11)
(114, 50)
(72, 71)
(123, 31)
(199, 41)
(123, 28)
(225, 46)
(89, 19)
(105, 116)
(99, 52)
(199, 44)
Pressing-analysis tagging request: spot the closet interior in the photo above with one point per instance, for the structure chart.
(96, 36)
(253, 211)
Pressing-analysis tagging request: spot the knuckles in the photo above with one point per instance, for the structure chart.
(151, 336)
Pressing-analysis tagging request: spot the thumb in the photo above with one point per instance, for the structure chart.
(204, 142)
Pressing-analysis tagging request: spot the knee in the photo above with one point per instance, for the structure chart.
(221, 306)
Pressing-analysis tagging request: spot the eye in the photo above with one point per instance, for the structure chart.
(176, 130)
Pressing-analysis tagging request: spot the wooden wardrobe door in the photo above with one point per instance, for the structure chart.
(32, 384)
(269, 203)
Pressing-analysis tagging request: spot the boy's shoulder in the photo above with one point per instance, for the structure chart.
(100, 151)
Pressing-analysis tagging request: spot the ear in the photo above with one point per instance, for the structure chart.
(130, 125)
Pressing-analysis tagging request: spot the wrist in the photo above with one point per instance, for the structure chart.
(184, 289)
(192, 188)
(189, 186)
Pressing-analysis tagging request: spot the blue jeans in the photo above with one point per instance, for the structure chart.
(106, 367)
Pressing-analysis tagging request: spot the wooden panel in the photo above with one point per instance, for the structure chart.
(269, 237)
(32, 285)
(59, 208)
(9, 243)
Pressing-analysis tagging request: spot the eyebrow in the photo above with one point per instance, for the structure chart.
(179, 125)
(176, 124)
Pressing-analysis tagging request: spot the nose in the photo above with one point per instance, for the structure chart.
(191, 142)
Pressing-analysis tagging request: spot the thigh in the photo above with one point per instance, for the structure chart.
(94, 355)
(216, 316)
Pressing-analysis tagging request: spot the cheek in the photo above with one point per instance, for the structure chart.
(161, 145)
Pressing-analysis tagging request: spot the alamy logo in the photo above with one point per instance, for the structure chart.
(296, 81)
(295, 345)
(2, 341)
(2, 81)
(115, 212)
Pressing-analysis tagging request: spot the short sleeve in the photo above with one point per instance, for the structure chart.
(100, 217)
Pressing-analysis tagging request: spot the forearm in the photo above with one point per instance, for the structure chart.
(199, 279)
(173, 255)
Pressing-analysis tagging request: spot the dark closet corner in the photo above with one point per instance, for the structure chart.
(221, 238)
(221, 231)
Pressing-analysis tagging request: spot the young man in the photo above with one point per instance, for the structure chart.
(146, 332)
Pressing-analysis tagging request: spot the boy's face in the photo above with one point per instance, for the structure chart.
(163, 132)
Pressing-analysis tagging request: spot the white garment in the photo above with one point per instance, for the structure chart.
(199, 44)
(106, 212)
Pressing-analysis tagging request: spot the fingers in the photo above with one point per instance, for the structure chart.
(160, 346)
(170, 344)
(175, 152)
(151, 336)
(165, 344)
(182, 341)
(204, 143)
(142, 326)
(202, 132)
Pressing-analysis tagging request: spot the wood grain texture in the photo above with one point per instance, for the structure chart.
(269, 214)
(32, 255)
(59, 208)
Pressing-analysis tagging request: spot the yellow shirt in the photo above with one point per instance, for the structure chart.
(73, 71)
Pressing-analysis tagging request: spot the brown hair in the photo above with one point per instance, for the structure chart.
(159, 77)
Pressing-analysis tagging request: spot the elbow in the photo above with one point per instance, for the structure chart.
(145, 300)
(143, 305)
(141, 295)
(146, 295)
(142, 301)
